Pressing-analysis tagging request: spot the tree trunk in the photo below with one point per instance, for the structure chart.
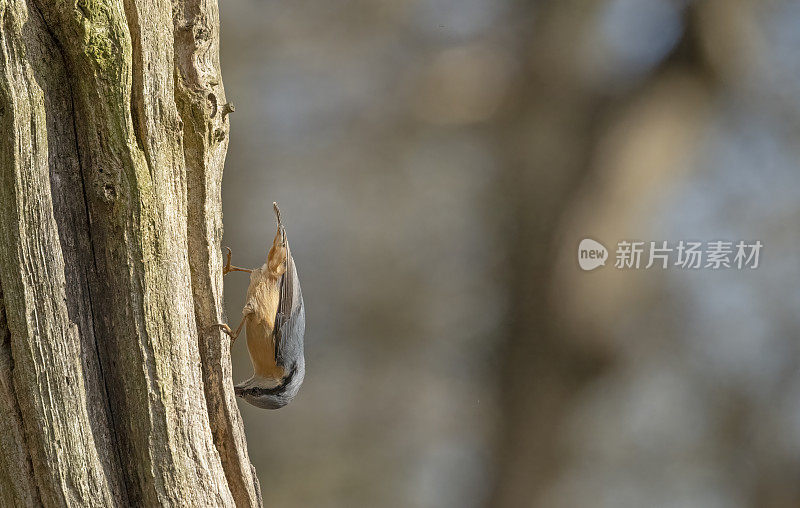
(114, 133)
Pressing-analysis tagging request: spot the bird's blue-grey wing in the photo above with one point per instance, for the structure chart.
(290, 318)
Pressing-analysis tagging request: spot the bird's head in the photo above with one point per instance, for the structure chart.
(270, 393)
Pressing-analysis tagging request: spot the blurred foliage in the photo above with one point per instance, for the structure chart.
(437, 162)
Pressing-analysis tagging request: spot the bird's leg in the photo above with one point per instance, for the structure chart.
(228, 268)
(227, 329)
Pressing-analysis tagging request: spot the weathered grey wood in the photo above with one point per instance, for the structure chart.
(111, 161)
(201, 101)
(17, 483)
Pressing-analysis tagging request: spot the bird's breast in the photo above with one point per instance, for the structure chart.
(263, 297)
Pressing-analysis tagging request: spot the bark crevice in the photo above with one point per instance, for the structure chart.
(17, 480)
(90, 271)
(54, 381)
(114, 425)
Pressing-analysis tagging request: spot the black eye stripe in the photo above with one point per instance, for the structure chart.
(260, 392)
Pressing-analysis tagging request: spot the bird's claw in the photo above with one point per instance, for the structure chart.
(225, 329)
(227, 268)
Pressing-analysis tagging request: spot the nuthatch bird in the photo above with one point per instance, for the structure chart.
(276, 322)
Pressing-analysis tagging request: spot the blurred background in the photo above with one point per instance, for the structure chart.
(437, 163)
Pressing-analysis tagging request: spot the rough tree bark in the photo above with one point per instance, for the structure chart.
(114, 132)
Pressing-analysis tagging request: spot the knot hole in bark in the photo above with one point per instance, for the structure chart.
(212, 105)
(110, 192)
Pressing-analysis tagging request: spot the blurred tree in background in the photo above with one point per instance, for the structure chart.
(437, 162)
